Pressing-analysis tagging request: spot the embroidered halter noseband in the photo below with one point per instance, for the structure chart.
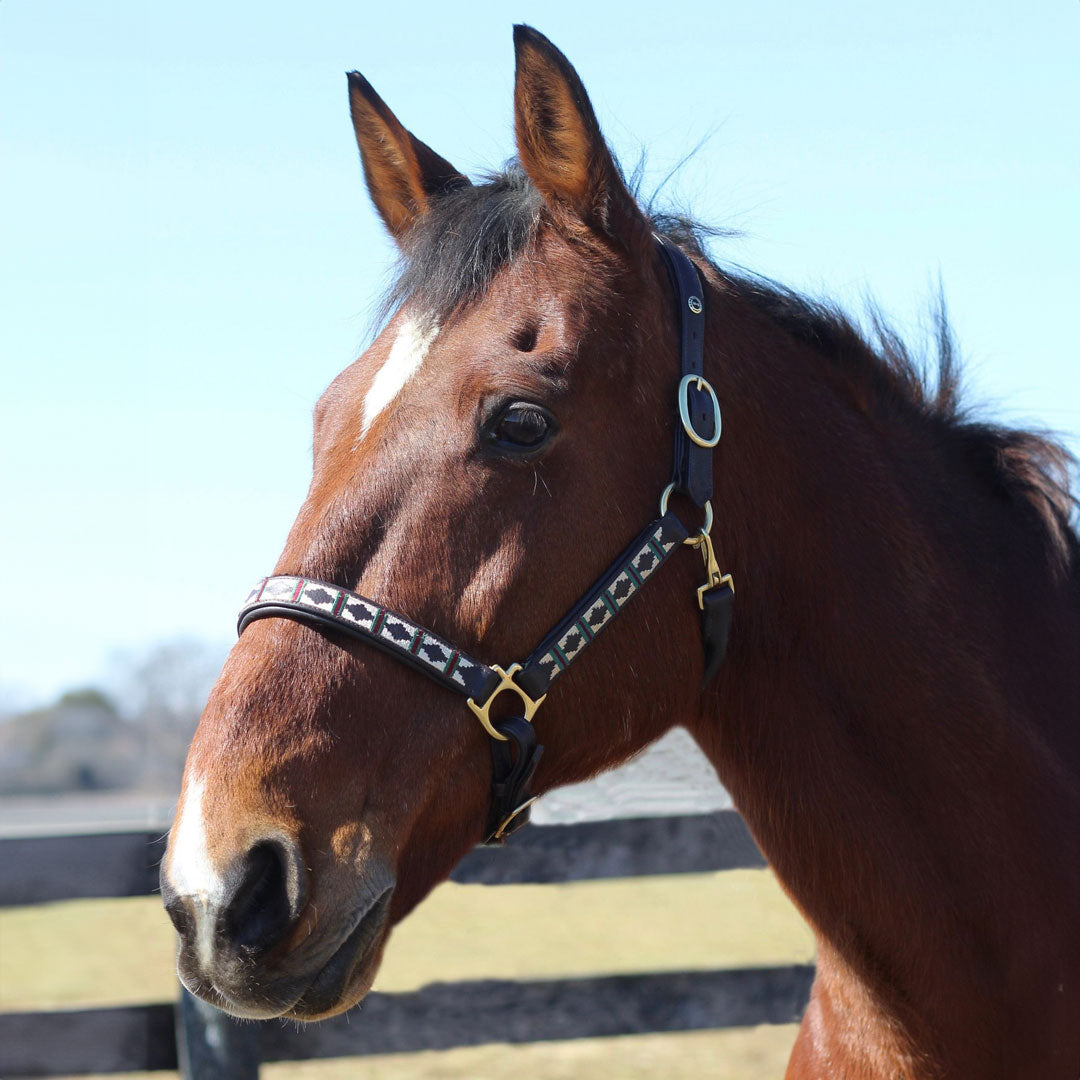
(322, 604)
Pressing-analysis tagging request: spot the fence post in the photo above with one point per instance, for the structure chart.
(211, 1045)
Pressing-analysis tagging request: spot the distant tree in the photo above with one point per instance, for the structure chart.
(89, 697)
(164, 690)
(80, 743)
(134, 737)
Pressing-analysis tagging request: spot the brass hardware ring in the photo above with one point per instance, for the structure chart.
(684, 410)
(506, 683)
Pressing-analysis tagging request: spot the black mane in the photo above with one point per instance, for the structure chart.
(452, 255)
(1030, 469)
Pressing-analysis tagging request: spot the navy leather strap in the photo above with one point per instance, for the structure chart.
(717, 607)
(607, 596)
(513, 764)
(692, 468)
(317, 602)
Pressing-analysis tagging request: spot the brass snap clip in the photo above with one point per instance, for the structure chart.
(714, 577)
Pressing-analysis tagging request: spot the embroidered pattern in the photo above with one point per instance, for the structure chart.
(438, 658)
(606, 601)
(393, 631)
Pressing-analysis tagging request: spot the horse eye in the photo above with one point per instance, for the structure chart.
(520, 426)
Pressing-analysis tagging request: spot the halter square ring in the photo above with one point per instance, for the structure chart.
(684, 410)
(506, 683)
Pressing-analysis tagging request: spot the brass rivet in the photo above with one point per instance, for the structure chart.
(694, 304)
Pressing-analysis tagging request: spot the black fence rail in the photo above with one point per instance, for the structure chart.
(204, 1043)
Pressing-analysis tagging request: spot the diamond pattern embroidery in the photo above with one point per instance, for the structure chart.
(645, 562)
(359, 612)
(317, 597)
(598, 616)
(441, 657)
(622, 588)
(572, 642)
(611, 599)
(397, 631)
(281, 588)
(434, 652)
(367, 617)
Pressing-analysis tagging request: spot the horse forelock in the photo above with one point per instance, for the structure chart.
(452, 254)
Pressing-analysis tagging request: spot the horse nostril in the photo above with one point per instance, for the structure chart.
(268, 897)
(179, 914)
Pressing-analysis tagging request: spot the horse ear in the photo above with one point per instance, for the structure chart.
(560, 144)
(402, 173)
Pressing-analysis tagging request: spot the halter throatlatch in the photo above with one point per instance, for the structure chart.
(514, 749)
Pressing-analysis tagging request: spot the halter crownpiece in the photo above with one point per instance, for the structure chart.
(338, 609)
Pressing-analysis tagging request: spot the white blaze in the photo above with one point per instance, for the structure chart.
(406, 355)
(191, 873)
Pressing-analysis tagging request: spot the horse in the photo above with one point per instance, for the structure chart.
(898, 714)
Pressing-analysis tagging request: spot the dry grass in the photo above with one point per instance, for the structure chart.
(120, 952)
(117, 952)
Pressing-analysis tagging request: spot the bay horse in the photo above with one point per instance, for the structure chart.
(898, 716)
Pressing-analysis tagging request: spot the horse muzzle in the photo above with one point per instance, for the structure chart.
(254, 946)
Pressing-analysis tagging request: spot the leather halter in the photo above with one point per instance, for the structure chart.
(344, 611)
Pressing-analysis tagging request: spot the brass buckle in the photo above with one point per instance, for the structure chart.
(500, 832)
(684, 410)
(506, 683)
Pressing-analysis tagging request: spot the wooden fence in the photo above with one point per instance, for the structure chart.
(206, 1044)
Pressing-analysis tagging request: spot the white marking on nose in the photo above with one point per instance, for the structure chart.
(406, 355)
(191, 873)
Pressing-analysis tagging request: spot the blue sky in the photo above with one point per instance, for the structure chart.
(187, 254)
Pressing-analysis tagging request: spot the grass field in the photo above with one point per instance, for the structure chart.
(115, 952)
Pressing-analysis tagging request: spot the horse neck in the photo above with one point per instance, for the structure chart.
(871, 723)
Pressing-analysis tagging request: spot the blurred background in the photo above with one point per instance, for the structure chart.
(188, 256)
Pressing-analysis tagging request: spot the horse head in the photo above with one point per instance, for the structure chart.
(504, 436)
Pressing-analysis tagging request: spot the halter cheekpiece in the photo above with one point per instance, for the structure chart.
(697, 432)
